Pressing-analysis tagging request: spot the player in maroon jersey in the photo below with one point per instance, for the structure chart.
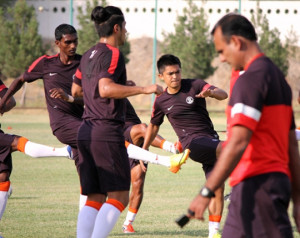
(104, 165)
(10, 143)
(261, 154)
(57, 72)
(183, 102)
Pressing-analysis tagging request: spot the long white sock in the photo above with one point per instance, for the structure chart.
(86, 219)
(37, 150)
(297, 134)
(135, 152)
(130, 217)
(213, 228)
(168, 146)
(106, 219)
(4, 187)
(82, 201)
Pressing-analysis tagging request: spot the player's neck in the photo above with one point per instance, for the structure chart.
(65, 59)
(111, 40)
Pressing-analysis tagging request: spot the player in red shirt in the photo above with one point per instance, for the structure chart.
(261, 154)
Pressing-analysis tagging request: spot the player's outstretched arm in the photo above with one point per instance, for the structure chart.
(5, 104)
(216, 93)
(61, 94)
(295, 168)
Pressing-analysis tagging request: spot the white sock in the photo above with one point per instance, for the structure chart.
(297, 134)
(4, 186)
(85, 222)
(213, 227)
(105, 221)
(169, 146)
(82, 201)
(130, 217)
(37, 150)
(135, 152)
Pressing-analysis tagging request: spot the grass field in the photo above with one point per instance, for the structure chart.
(45, 195)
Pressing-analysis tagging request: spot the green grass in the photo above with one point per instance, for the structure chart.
(45, 195)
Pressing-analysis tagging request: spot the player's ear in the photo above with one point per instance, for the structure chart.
(237, 42)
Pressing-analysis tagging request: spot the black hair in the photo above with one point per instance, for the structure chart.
(167, 60)
(105, 18)
(236, 24)
(64, 29)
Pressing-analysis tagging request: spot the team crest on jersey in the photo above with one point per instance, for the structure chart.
(189, 100)
(93, 53)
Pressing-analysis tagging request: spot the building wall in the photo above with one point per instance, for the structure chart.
(140, 15)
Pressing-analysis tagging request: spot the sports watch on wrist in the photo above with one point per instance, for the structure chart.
(206, 192)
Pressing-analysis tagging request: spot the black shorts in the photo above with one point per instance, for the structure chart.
(132, 162)
(103, 167)
(68, 135)
(203, 150)
(258, 208)
(5, 151)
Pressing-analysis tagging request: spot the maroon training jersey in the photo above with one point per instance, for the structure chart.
(187, 114)
(55, 74)
(261, 101)
(131, 117)
(2, 87)
(105, 114)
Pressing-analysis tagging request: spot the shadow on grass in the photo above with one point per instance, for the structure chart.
(182, 233)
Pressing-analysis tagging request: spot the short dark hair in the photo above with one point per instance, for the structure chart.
(167, 60)
(236, 24)
(64, 29)
(105, 18)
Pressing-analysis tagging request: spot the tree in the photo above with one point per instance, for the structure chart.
(20, 42)
(269, 41)
(191, 42)
(87, 33)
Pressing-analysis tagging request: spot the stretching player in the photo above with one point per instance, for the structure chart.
(10, 143)
(184, 104)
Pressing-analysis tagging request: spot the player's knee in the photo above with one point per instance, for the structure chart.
(4, 176)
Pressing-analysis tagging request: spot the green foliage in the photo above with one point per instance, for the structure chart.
(269, 41)
(191, 42)
(20, 42)
(87, 34)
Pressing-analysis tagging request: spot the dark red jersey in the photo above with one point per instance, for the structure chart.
(187, 114)
(131, 117)
(2, 89)
(55, 74)
(105, 114)
(261, 101)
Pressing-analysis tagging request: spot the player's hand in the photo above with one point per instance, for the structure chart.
(144, 168)
(205, 93)
(58, 93)
(198, 206)
(154, 88)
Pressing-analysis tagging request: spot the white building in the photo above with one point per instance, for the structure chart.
(140, 16)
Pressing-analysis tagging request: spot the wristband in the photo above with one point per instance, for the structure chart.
(207, 193)
(70, 98)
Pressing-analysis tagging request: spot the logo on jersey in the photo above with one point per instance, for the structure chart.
(189, 100)
(93, 53)
(52, 74)
(73, 77)
(169, 108)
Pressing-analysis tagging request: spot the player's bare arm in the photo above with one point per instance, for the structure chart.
(109, 89)
(10, 104)
(59, 93)
(216, 93)
(14, 87)
(229, 158)
(77, 91)
(295, 168)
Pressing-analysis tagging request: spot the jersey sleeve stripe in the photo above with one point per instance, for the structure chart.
(78, 74)
(114, 59)
(2, 87)
(240, 108)
(31, 67)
